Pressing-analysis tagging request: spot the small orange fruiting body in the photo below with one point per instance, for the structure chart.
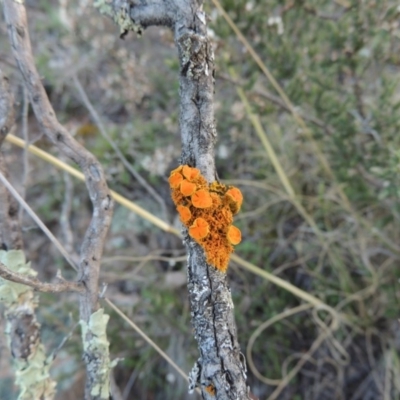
(202, 199)
(234, 235)
(190, 173)
(175, 180)
(234, 198)
(200, 229)
(187, 188)
(207, 211)
(184, 213)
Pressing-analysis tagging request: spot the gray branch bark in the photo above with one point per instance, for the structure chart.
(60, 286)
(220, 371)
(93, 242)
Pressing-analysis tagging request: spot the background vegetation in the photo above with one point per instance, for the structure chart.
(336, 238)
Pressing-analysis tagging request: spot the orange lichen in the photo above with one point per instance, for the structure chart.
(200, 229)
(207, 211)
(175, 180)
(190, 173)
(184, 213)
(235, 199)
(202, 199)
(211, 389)
(187, 188)
(234, 235)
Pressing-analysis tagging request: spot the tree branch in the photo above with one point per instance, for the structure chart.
(15, 15)
(220, 371)
(22, 329)
(57, 287)
(93, 242)
(156, 13)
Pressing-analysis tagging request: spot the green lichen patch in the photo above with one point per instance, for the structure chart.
(121, 17)
(12, 293)
(30, 363)
(33, 376)
(96, 353)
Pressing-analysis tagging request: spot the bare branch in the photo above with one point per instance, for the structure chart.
(65, 218)
(156, 13)
(60, 286)
(92, 248)
(40, 223)
(25, 135)
(96, 118)
(97, 362)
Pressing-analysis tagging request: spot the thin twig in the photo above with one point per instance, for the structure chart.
(74, 172)
(93, 243)
(60, 286)
(147, 339)
(118, 152)
(40, 223)
(277, 101)
(321, 157)
(25, 135)
(65, 216)
(168, 228)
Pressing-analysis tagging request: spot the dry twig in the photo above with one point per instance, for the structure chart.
(92, 246)
(57, 287)
(96, 118)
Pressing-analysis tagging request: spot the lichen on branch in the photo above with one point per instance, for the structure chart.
(120, 14)
(96, 353)
(31, 364)
(207, 210)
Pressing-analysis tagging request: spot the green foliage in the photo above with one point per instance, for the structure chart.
(339, 65)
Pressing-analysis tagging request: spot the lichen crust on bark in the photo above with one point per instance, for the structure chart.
(120, 14)
(96, 353)
(31, 364)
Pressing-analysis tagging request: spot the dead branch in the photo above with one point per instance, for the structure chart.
(23, 330)
(60, 286)
(96, 118)
(220, 371)
(93, 242)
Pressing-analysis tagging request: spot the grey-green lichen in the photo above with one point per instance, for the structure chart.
(120, 15)
(11, 293)
(96, 353)
(22, 331)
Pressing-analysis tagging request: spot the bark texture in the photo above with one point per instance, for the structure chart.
(93, 242)
(220, 371)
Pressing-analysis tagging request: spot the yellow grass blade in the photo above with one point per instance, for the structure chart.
(168, 228)
(74, 172)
